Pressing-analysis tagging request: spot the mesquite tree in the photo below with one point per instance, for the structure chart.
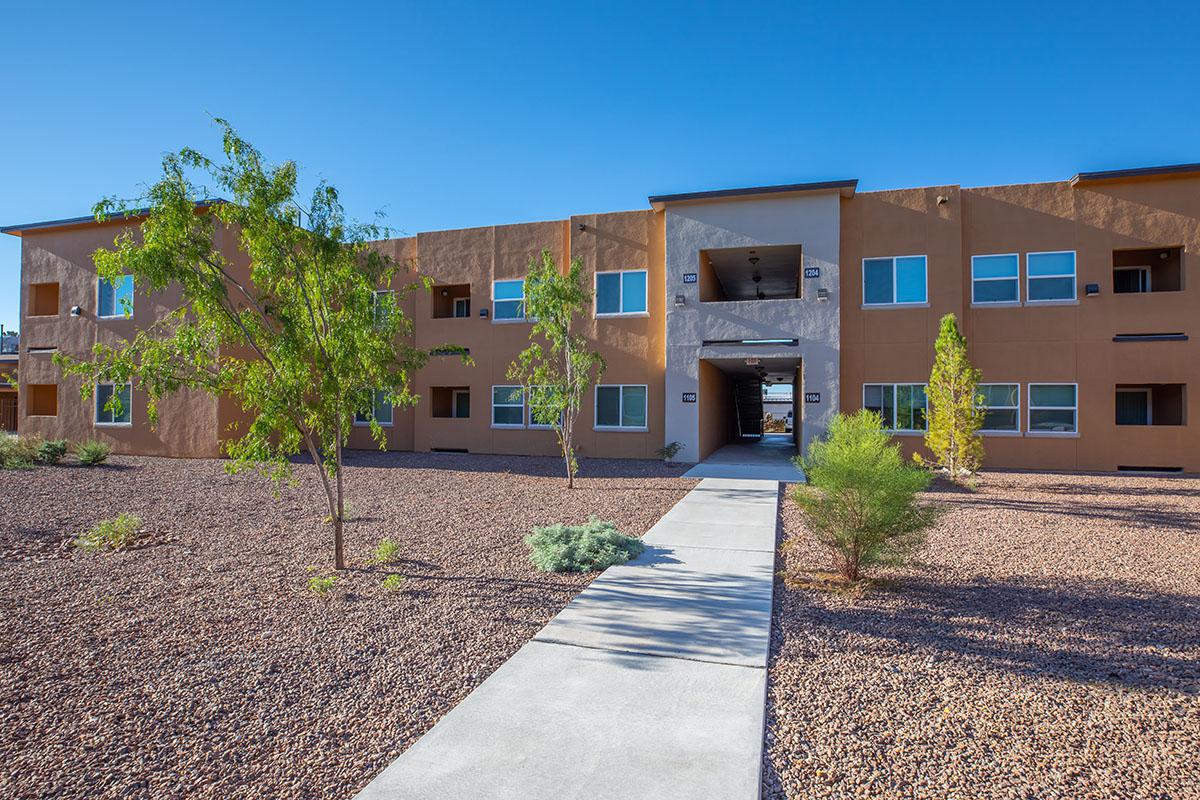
(955, 412)
(293, 327)
(557, 376)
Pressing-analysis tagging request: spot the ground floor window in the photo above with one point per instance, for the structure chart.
(902, 406)
(508, 407)
(1001, 404)
(1053, 408)
(621, 406)
(113, 404)
(461, 406)
(381, 411)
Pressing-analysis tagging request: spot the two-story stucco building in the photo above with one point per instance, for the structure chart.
(1075, 296)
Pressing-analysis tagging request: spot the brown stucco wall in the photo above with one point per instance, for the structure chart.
(1070, 343)
(715, 408)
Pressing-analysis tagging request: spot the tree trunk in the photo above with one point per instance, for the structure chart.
(339, 561)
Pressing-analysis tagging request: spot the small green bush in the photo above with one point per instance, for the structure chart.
(322, 585)
(18, 453)
(386, 552)
(93, 453)
(392, 582)
(115, 534)
(668, 451)
(52, 451)
(595, 545)
(861, 499)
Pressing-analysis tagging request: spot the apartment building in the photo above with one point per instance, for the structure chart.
(1075, 297)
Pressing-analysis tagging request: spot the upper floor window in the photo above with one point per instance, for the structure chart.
(1050, 276)
(113, 404)
(114, 298)
(894, 281)
(995, 279)
(902, 406)
(1001, 403)
(621, 406)
(381, 410)
(621, 292)
(1053, 408)
(381, 304)
(508, 300)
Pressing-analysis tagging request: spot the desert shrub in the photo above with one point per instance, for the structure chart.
(861, 500)
(322, 585)
(392, 582)
(18, 453)
(114, 534)
(93, 453)
(386, 552)
(668, 451)
(51, 451)
(595, 545)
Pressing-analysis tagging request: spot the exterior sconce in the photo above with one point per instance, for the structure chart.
(1092, 289)
(582, 227)
(445, 292)
(483, 313)
(76, 311)
(680, 300)
(822, 294)
(942, 199)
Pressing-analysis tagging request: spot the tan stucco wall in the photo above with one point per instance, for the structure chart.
(1061, 343)
(716, 410)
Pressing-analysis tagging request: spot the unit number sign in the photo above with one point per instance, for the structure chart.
(812, 397)
(812, 272)
(689, 277)
(689, 397)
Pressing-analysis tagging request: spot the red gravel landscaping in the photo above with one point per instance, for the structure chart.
(1047, 645)
(201, 665)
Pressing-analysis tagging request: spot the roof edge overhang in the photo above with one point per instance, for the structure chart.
(74, 222)
(844, 188)
(1138, 173)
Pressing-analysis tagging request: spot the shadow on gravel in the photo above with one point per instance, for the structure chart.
(1089, 632)
(530, 466)
(1139, 515)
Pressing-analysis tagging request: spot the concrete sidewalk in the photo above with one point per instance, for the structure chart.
(768, 459)
(650, 684)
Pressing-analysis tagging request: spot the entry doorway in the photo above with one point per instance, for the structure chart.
(749, 401)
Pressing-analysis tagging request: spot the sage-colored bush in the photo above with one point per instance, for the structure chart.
(589, 547)
(117, 533)
(18, 453)
(93, 453)
(861, 500)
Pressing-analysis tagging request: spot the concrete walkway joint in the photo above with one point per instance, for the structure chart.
(650, 683)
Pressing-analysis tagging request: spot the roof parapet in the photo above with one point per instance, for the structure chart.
(1112, 175)
(844, 188)
(19, 230)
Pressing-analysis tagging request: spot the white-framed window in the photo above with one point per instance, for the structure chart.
(1131, 280)
(106, 415)
(1053, 408)
(1001, 404)
(114, 299)
(996, 279)
(380, 305)
(460, 403)
(903, 406)
(1050, 277)
(534, 421)
(622, 292)
(508, 407)
(508, 300)
(462, 307)
(621, 407)
(895, 281)
(381, 411)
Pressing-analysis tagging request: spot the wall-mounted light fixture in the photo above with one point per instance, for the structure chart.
(76, 311)
(582, 227)
(942, 199)
(445, 292)
(1092, 289)
(822, 294)
(483, 312)
(680, 300)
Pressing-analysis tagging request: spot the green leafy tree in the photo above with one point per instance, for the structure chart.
(557, 371)
(861, 499)
(955, 408)
(291, 326)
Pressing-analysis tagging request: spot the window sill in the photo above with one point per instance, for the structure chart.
(1074, 302)
(1053, 434)
(867, 306)
(507, 427)
(110, 317)
(619, 429)
(620, 314)
(997, 304)
(113, 424)
(502, 321)
(358, 424)
(1002, 434)
(907, 433)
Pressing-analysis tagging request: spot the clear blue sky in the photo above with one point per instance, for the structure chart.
(450, 115)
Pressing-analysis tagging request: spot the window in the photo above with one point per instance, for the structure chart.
(508, 300)
(381, 305)
(536, 394)
(995, 279)
(894, 281)
(1053, 408)
(621, 292)
(381, 411)
(1131, 280)
(621, 406)
(1051, 276)
(462, 307)
(114, 299)
(901, 405)
(108, 397)
(1001, 403)
(508, 407)
(461, 407)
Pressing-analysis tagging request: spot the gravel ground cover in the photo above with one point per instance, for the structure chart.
(1047, 646)
(201, 666)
